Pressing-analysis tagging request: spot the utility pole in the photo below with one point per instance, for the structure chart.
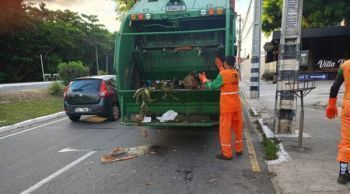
(42, 66)
(288, 66)
(96, 53)
(255, 61)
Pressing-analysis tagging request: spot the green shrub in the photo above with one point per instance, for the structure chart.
(101, 72)
(2, 77)
(56, 88)
(270, 148)
(69, 71)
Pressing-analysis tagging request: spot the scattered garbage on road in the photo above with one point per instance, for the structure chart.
(121, 153)
(117, 154)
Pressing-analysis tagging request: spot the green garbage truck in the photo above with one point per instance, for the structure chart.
(160, 48)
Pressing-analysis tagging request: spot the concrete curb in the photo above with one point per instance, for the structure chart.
(282, 154)
(32, 121)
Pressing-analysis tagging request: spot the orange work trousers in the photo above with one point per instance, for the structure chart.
(344, 144)
(231, 121)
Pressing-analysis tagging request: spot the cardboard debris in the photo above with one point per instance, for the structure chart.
(117, 154)
(121, 153)
(108, 158)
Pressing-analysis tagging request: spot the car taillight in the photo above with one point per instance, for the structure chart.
(220, 11)
(133, 17)
(140, 16)
(66, 90)
(211, 11)
(103, 89)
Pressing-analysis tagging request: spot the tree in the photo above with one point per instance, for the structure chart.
(272, 15)
(69, 71)
(316, 13)
(124, 5)
(60, 36)
(10, 15)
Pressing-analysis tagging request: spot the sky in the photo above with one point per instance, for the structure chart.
(242, 6)
(104, 9)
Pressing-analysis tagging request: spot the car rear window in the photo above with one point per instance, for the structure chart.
(85, 85)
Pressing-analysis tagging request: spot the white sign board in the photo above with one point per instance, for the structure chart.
(292, 14)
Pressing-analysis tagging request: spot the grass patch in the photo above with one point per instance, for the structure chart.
(270, 148)
(15, 108)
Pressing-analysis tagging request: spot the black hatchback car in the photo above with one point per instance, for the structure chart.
(95, 95)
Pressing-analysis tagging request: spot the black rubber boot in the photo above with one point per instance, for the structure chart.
(239, 153)
(343, 178)
(221, 157)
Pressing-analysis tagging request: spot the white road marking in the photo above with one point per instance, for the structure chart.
(30, 129)
(56, 174)
(69, 149)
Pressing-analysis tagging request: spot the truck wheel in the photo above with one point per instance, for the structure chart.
(114, 114)
(74, 118)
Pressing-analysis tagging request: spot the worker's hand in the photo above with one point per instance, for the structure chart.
(219, 64)
(331, 110)
(203, 78)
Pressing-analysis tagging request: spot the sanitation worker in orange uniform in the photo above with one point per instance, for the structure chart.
(230, 106)
(331, 112)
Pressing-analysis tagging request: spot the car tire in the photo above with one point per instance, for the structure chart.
(114, 113)
(74, 118)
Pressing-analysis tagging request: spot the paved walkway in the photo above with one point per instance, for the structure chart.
(314, 170)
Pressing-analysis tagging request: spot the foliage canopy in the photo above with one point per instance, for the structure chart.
(59, 36)
(69, 71)
(316, 13)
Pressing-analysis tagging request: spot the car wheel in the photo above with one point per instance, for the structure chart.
(114, 113)
(74, 117)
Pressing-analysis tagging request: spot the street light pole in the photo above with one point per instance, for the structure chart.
(42, 66)
(288, 66)
(97, 65)
(255, 61)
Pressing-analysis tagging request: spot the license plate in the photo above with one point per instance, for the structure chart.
(82, 110)
(172, 8)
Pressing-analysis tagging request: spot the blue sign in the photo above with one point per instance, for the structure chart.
(313, 76)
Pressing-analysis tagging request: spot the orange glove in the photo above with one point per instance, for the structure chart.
(219, 64)
(331, 110)
(203, 78)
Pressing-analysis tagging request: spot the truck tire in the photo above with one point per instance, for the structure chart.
(114, 113)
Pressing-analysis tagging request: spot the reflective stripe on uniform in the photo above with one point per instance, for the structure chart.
(238, 141)
(226, 145)
(228, 93)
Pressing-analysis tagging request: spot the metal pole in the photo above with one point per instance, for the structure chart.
(255, 62)
(97, 66)
(42, 66)
(301, 122)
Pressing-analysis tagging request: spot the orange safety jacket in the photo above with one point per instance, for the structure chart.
(227, 81)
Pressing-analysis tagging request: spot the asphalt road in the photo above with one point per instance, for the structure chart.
(13, 87)
(181, 161)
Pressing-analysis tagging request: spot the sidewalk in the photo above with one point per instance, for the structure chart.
(315, 170)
